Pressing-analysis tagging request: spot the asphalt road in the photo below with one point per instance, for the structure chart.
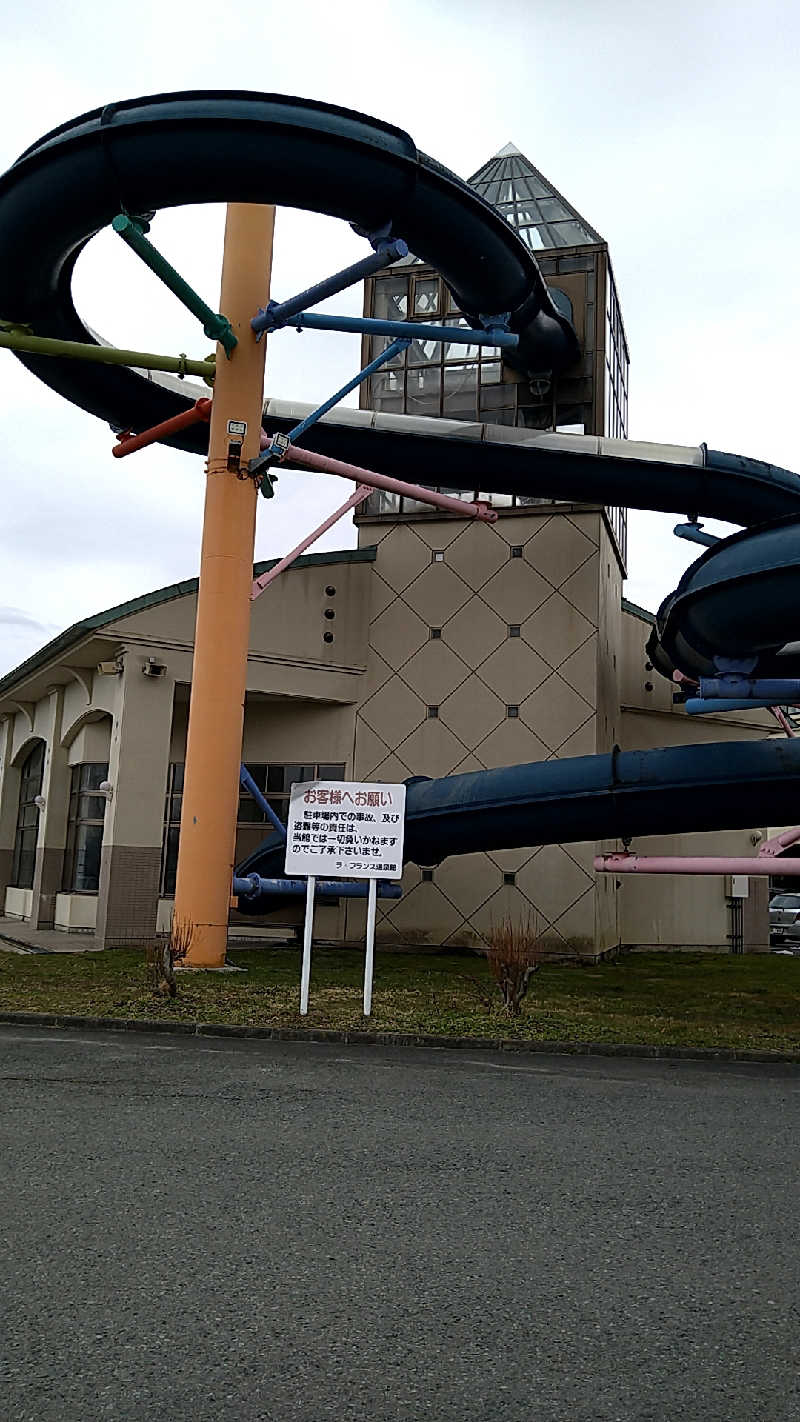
(211, 1229)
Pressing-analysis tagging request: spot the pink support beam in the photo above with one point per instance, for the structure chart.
(771, 848)
(675, 864)
(362, 492)
(782, 721)
(308, 460)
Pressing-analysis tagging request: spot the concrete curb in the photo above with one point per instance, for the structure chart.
(398, 1039)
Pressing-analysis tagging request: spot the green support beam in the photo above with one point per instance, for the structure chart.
(17, 338)
(215, 326)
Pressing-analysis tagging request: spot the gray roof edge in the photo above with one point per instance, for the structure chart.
(81, 631)
(636, 611)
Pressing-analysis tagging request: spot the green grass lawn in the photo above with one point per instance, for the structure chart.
(659, 998)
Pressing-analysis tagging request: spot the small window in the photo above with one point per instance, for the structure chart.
(426, 296)
(514, 629)
(85, 829)
(427, 876)
(24, 860)
(436, 633)
(327, 637)
(329, 613)
(433, 713)
(516, 551)
(512, 712)
(330, 590)
(509, 879)
(437, 556)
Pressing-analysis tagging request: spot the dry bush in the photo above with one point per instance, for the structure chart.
(516, 951)
(162, 957)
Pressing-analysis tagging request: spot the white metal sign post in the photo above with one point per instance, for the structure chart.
(344, 830)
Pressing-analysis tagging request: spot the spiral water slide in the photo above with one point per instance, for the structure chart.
(738, 601)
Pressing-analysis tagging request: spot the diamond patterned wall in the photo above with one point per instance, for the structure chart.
(540, 575)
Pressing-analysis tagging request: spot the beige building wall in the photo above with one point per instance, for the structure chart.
(577, 674)
(436, 705)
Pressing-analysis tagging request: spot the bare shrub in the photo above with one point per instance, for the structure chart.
(515, 953)
(162, 957)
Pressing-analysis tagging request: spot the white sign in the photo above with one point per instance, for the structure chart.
(740, 886)
(338, 829)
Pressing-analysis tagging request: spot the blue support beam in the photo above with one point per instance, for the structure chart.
(415, 330)
(276, 451)
(693, 533)
(775, 691)
(252, 886)
(246, 779)
(279, 313)
(700, 706)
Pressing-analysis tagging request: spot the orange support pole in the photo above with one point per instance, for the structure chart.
(222, 633)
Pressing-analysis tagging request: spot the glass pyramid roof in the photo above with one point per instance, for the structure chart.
(530, 203)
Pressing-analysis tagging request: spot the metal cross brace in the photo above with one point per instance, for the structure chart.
(215, 326)
(492, 335)
(276, 451)
(278, 313)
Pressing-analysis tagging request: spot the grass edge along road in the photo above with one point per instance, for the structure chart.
(678, 999)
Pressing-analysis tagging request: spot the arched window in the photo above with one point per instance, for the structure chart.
(24, 861)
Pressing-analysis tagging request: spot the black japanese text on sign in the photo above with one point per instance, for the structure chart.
(341, 829)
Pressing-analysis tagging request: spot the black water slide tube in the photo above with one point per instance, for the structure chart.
(738, 598)
(204, 147)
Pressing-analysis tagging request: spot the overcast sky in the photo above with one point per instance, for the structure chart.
(670, 124)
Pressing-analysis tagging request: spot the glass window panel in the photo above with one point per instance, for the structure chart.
(332, 772)
(453, 350)
(423, 389)
(496, 397)
(491, 372)
(424, 352)
(88, 844)
(175, 804)
(378, 345)
(528, 213)
(381, 502)
(275, 778)
(426, 296)
(530, 186)
(170, 861)
(93, 774)
(576, 264)
(390, 298)
(552, 210)
(571, 234)
(533, 237)
(460, 391)
(92, 807)
(386, 392)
